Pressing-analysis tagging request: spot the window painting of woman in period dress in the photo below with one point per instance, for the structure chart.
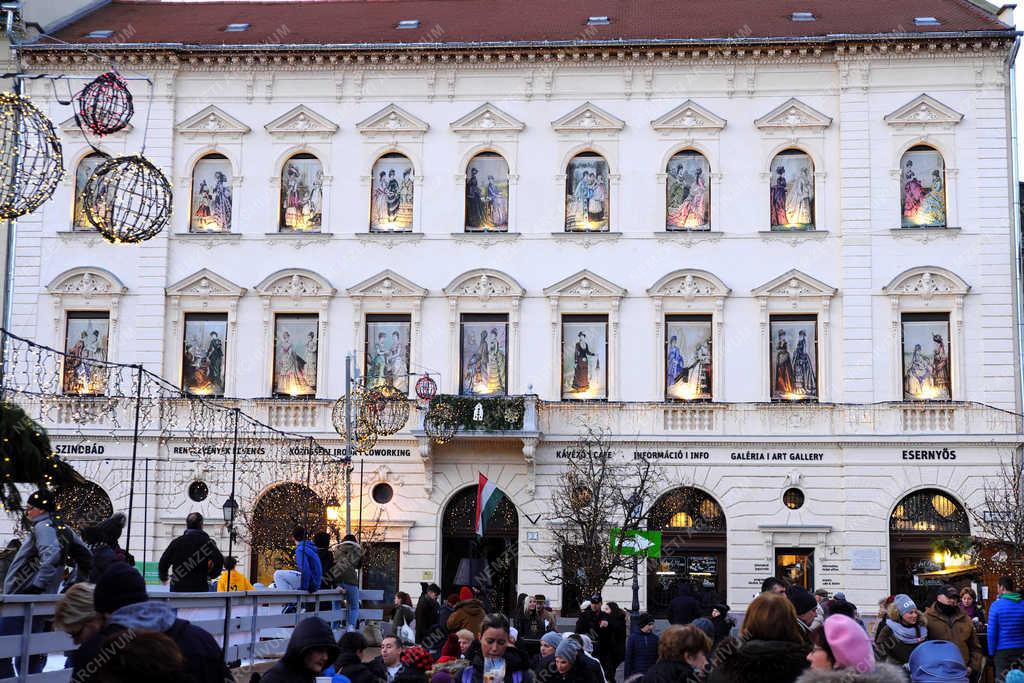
(792, 191)
(688, 192)
(82, 174)
(794, 358)
(387, 351)
(484, 359)
(302, 181)
(926, 357)
(203, 354)
(86, 342)
(688, 358)
(487, 193)
(584, 357)
(295, 355)
(587, 192)
(211, 195)
(391, 196)
(923, 188)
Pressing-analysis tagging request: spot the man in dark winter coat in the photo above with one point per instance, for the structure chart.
(641, 647)
(103, 540)
(684, 607)
(195, 559)
(311, 649)
(322, 541)
(121, 596)
(350, 660)
(590, 620)
(427, 614)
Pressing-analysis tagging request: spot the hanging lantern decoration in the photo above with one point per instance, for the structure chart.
(105, 105)
(128, 199)
(31, 160)
(388, 410)
(426, 387)
(440, 423)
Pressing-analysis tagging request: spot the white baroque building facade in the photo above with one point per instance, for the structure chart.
(831, 488)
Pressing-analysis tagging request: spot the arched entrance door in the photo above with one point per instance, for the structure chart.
(919, 520)
(277, 513)
(497, 550)
(693, 542)
(81, 505)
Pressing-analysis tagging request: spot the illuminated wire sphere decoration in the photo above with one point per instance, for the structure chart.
(426, 387)
(388, 410)
(128, 199)
(104, 106)
(31, 159)
(440, 423)
(364, 436)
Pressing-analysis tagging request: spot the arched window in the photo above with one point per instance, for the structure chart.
(487, 193)
(279, 510)
(302, 194)
(211, 195)
(688, 192)
(923, 188)
(85, 168)
(587, 194)
(391, 194)
(922, 527)
(930, 512)
(792, 191)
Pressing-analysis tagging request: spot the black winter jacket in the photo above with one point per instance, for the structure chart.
(641, 653)
(664, 671)
(684, 608)
(427, 611)
(195, 559)
(348, 664)
(759, 661)
(310, 634)
(515, 661)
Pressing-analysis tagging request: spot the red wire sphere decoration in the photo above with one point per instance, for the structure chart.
(426, 388)
(105, 105)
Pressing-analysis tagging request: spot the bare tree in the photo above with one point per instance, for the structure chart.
(1000, 521)
(594, 494)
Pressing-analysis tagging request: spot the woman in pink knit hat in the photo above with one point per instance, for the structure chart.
(843, 653)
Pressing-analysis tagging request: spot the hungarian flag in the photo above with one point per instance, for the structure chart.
(487, 498)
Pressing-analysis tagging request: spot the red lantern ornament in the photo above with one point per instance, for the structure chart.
(426, 388)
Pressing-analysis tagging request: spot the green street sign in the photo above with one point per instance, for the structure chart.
(640, 543)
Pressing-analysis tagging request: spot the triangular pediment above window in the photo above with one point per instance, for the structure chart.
(387, 284)
(794, 114)
(392, 119)
(689, 283)
(926, 282)
(86, 281)
(585, 284)
(295, 283)
(924, 110)
(204, 283)
(487, 119)
(69, 128)
(794, 284)
(588, 118)
(301, 121)
(212, 120)
(484, 283)
(688, 116)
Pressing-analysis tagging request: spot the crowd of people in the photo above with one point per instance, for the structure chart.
(786, 635)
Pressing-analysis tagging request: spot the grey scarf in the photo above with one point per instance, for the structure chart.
(912, 635)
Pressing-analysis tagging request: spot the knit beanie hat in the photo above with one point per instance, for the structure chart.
(568, 649)
(644, 620)
(1015, 676)
(705, 625)
(850, 644)
(937, 661)
(903, 603)
(43, 500)
(552, 638)
(465, 593)
(120, 585)
(802, 601)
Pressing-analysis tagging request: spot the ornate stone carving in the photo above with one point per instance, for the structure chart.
(211, 120)
(86, 282)
(301, 120)
(588, 118)
(924, 110)
(390, 120)
(295, 283)
(688, 116)
(585, 285)
(794, 114)
(487, 118)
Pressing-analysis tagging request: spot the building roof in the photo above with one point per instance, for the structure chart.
(445, 22)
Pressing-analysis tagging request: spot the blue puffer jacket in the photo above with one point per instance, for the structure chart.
(641, 653)
(308, 562)
(1006, 623)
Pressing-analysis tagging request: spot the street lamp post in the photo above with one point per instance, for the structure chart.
(635, 510)
(230, 509)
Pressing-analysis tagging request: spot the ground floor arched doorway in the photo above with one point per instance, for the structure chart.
(490, 561)
(693, 543)
(269, 529)
(82, 505)
(918, 523)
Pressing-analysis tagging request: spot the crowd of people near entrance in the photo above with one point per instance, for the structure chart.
(786, 635)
